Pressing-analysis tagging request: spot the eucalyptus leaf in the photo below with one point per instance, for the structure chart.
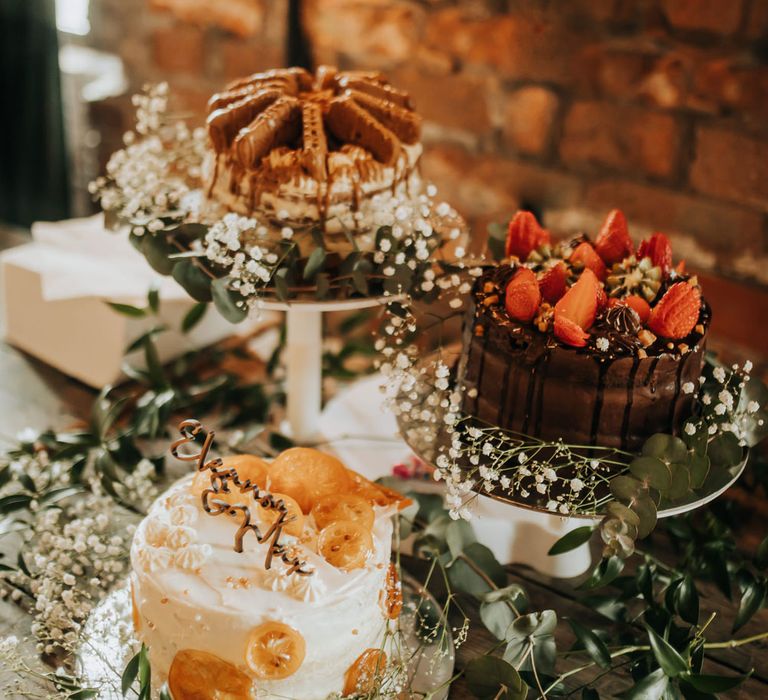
(646, 511)
(193, 316)
(725, 451)
(226, 301)
(680, 484)
(492, 678)
(497, 616)
(571, 540)
(314, 264)
(591, 643)
(698, 467)
(196, 283)
(459, 534)
(625, 487)
(157, 251)
(670, 660)
(604, 573)
(469, 572)
(534, 630)
(652, 471)
(667, 448)
(687, 600)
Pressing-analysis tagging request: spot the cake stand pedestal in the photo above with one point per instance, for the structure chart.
(304, 360)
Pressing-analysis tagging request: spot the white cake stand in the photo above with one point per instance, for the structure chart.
(304, 360)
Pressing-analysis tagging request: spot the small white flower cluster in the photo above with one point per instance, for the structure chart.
(147, 180)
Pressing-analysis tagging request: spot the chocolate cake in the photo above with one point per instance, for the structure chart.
(312, 149)
(594, 343)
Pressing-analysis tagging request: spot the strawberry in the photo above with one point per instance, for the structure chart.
(523, 296)
(680, 267)
(585, 255)
(524, 235)
(613, 243)
(553, 282)
(639, 305)
(569, 332)
(602, 298)
(659, 250)
(579, 304)
(677, 312)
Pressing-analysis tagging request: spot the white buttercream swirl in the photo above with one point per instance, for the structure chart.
(156, 532)
(154, 558)
(183, 515)
(193, 556)
(180, 537)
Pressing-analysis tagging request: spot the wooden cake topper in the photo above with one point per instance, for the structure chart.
(222, 480)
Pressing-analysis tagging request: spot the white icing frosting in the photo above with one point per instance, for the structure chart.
(180, 537)
(209, 598)
(183, 515)
(157, 532)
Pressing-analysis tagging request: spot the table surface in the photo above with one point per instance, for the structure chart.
(35, 395)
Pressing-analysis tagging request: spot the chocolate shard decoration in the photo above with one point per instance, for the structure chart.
(224, 124)
(405, 124)
(228, 97)
(383, 92)
(278, 125)
(294, 79)
(349, 122)
(313, 155)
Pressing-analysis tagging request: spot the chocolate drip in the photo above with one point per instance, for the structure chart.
(603, 366)
(630, 399)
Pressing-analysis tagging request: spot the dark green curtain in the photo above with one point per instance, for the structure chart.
(33, 162)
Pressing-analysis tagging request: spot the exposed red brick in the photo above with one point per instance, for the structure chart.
(241, 17)
(732, 85)
(522, 45)
(455, 101)
(529, 114)
(620, 137)
(723, 228)
(485, 188)
(731, 165)
(374, 34)
(718, 16)
(239, 58)
(178, 49)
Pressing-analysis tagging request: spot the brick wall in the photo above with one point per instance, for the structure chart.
(659, 107)
(194, 45)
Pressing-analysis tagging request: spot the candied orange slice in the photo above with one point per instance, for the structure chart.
(392, 595)
(331, 508)
(198, 675)
(376, 494)
(274, 651)
(361, 677)
(307, 475)
(345, 544)
(135, 610)
(248, 467)
(269, 515)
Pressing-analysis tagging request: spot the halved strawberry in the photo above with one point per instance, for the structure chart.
(524, 235)
(585, 255)
(659, 250)
(639, 305)
(677, 312)
(613, 243)
(569, 332)
(523, 296)
(580, 302)
(553, 282)
(602, 298)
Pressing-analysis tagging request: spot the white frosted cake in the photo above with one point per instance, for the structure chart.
(220, 624)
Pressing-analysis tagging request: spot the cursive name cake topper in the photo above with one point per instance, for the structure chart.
(221, 482)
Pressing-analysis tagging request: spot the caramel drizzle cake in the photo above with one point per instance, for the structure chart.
(297, 609)
(310, 148)
(595, 342)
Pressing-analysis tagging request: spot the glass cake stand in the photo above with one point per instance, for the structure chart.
(524, 533)
(108, 644)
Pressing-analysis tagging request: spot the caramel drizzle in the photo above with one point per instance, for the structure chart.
(221, 480)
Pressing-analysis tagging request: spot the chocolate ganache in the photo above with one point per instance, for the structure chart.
(616, 391)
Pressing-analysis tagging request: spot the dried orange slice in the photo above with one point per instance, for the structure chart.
(361, 677)
(268, 515)
(248, 467)
(307, 475)
(376, 494)
(135, 611)
(274, 651)
(392, 595)
(198, 675)
(329, 509)
(345, 544)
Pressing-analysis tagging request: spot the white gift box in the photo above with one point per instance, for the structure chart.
(55, 290)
